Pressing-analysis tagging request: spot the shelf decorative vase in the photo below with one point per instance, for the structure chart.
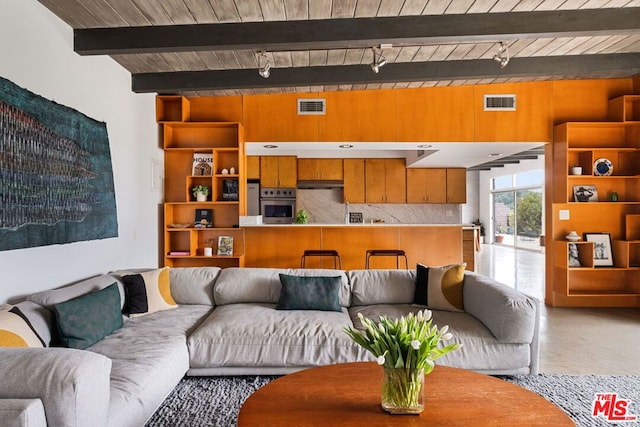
(403, 390)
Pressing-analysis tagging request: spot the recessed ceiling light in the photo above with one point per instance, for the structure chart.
(345, 146)
(495, 154)
(270, 146)
(425, 146)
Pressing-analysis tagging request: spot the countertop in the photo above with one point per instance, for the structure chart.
(375, 224)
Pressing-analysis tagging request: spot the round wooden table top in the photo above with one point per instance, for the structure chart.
(349, 395)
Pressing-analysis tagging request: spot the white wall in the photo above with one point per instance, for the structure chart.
(36, 51)
(484, 192)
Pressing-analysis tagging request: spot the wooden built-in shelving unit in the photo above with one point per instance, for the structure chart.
(181, 139)
(581, 144)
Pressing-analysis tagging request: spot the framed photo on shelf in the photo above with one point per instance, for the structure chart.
(602, 254)
(225, 245)
(585, 193)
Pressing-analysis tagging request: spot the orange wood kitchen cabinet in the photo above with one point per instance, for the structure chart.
(583, 144)
(353, 191)
(253, 167)
(456, 185)
(324, 169)
(278, 171)
(427, 185)
(183, 244)
(385, 181)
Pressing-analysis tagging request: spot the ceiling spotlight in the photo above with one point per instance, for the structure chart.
(425, 146)
(378, 60)
(495, 154)
(270, 146)
(502, 57)
(345, 146)
(264, 67)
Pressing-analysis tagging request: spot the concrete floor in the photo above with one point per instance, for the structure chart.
(573, 340)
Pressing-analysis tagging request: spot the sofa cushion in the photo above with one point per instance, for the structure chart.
(262, 285)
(309, 293)
(22, 413)
(256, 335)
(382, 286)
(89, 318)
(54, 296)
(193, 285)
(149, 357)
(16, 330)
(148, 292)
(480, 351)
(440, 287)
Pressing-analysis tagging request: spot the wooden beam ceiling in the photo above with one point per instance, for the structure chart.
(357, 32)
(549, 66)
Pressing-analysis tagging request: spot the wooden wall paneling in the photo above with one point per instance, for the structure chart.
(353, 242)
(216, 109)
(274, 118)
(279, 246)
(359, 116)
(354, 182)
(532, 120)
(431, 245)
(585, 100)
(443, 114)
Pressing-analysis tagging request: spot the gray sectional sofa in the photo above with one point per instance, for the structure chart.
(226, 323)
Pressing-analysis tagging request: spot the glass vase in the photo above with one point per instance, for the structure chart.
(403, 390)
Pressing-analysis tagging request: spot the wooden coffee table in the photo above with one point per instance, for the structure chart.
(349, 395)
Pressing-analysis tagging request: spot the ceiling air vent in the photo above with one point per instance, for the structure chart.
(312, 106)
(499, 103)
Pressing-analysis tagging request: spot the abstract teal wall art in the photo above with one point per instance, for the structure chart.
(56, 178)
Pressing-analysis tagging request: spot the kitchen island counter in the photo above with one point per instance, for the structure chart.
(281, 246)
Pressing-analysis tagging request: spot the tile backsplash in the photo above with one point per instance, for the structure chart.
(326, 207)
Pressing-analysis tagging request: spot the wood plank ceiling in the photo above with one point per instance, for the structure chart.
(211, 47)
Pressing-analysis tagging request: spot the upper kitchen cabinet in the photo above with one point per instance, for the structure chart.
(324, 169)
(385, 181)
(445, 115)
(529, 122)
(456, 185)
(437, 185)
(353, 191)
(359, 116)
(253, 167)
(275, 118)
(278, 171)
(427, 185)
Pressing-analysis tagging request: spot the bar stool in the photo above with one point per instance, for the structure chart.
(388, 252)
(337, 263)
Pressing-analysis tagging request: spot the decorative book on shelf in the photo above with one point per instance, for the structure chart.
(202, 164)
(225, 245)
(204, 218)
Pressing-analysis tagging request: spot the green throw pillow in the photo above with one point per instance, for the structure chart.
(85, 320)
(309, 293)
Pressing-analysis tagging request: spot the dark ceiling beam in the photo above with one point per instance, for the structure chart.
(619, 65)
(357, 32)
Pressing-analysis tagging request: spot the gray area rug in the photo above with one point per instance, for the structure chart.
(216, 401)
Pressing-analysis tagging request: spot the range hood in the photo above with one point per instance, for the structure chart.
(319, 184)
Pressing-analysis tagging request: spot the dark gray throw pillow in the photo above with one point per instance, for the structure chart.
(309, 293)
(85, 320)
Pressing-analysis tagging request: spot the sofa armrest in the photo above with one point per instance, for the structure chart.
(22, 413)
(73, 385)
(510, 315)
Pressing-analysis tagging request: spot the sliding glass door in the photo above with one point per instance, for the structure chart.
(517, 210)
